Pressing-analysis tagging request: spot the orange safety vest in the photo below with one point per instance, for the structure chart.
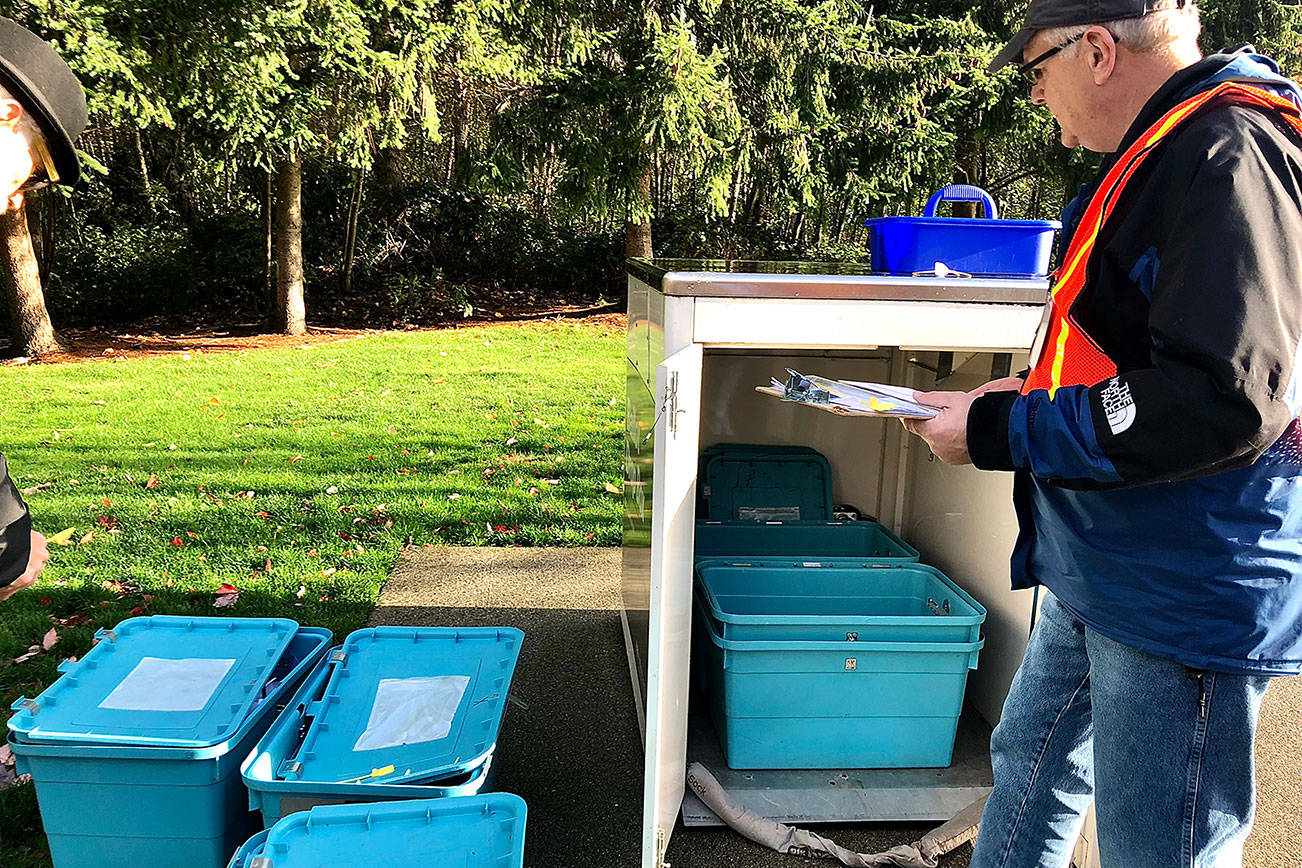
(1064, 353)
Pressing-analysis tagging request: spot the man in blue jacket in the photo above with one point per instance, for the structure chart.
(1156, 446)
(42, 111)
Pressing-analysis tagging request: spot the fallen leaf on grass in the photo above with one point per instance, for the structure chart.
(87, 538)
(152, 482)
(50, 639)
(107, 522)
(44, 486)
(31, 652)
(224, 602)
(176, 541)
(62, 538)
(613, 489)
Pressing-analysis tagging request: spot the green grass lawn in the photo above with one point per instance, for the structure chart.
(295, 476)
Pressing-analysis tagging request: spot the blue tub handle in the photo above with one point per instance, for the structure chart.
(961, 193)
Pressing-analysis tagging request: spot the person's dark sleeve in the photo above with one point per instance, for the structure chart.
(1224, 322)
(15, 530)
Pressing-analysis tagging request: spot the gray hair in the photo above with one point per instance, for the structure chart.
(27, 126)
(1156, 31)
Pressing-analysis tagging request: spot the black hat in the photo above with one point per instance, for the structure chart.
(1044, 14)
(44, 85)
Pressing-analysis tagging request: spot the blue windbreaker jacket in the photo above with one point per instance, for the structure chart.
(1181, 532)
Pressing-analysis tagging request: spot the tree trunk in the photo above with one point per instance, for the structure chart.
(965, 172)
(637, 234)
(144, 174)
(290, 314)
(33, 334)
(350, 231)
(388, 168)
(269, 232)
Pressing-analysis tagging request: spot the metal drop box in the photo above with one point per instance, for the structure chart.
(701, 336)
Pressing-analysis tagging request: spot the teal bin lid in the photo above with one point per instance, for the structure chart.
(163, 680)
(456, 832)
(406, 704)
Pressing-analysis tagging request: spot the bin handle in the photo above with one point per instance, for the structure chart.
(962, 193)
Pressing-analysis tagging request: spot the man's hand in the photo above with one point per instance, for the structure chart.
(35, 563)
(1003, 384)
(946, 433)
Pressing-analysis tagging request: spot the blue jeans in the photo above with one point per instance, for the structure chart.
(1163, 750)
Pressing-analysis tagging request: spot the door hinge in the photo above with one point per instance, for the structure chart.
(661, 845)
(671, 404)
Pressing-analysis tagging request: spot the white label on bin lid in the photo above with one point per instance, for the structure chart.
(157, 684)
(412, 711)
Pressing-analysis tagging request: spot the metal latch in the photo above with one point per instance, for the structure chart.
(29, 705)
(938, 608)
(338, 656)
(290, 767)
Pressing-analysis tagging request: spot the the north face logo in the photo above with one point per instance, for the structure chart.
(1118, 405)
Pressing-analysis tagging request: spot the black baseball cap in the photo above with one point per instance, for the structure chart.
(1045, 14)
(33, 72)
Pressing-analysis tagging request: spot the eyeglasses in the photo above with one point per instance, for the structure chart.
(1031, 69)
(44, 174)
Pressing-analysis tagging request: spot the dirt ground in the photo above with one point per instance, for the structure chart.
(133, 343)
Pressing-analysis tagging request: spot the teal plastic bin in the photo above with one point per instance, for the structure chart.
(173, 802)
(424, 701)
(462, 832)
(736, 450)
(767, 485)
(819, 705)
(251, 850)
(804, 540)
(834, 602)
(275, 797)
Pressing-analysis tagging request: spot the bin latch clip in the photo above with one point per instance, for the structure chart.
(31, 706)
(338, 656)
(289, 767)
(938, 608)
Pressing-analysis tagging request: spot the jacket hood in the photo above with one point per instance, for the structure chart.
(1245, 65)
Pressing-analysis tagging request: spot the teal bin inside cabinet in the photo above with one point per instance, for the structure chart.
(485, 831)
(116, 748)
(756, 483)
(804, 540)
(837, 602)
(807, 704)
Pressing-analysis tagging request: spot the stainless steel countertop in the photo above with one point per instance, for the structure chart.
(842, 281)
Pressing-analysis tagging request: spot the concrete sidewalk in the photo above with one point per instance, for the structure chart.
(572, 749)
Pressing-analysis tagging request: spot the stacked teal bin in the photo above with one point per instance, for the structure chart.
(834, 666)
(324, 749)
(135, 751)
(485, 831)
(821, 644)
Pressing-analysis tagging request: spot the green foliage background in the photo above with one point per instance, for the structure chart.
(498, 148)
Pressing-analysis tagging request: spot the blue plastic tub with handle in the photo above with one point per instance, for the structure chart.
(802, 540)
(815, 705)
(987, 247)
(139, 804)
(462, 832)
(275, 797)
(838, 602)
